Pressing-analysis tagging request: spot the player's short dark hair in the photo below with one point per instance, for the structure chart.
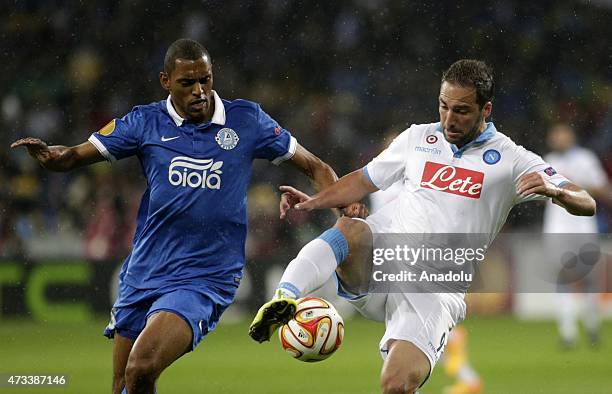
(472, 73)
(183, 48)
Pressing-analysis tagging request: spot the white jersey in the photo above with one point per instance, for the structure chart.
(450, 190)
(583, 168)
(442, 189)
(383, 197)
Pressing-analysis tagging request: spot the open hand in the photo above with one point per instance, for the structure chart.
(290, 198)
(37, 148)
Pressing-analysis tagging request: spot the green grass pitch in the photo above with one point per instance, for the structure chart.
(511, 356)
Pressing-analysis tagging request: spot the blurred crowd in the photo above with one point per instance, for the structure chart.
(340, 75)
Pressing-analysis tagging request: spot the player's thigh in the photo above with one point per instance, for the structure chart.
(165, 338)
(125, 325)
(355, 271)
(406, 366)
(176, 322)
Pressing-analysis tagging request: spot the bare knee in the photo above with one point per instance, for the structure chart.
(349, 226)
(394, 383)
(141, 370)
(352, 229)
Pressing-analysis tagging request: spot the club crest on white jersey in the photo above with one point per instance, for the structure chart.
(195, 173)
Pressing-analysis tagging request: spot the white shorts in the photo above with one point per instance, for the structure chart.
(424, 319)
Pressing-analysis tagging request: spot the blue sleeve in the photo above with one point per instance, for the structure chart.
(273, 142)
(120, 138)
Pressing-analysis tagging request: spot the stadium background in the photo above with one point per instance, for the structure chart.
(341, 76)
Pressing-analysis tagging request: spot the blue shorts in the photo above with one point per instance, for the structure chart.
(200, 308)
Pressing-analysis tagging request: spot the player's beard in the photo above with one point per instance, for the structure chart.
(473, 133)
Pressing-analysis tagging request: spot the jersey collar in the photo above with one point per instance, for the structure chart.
(217, 118)
(486, 135)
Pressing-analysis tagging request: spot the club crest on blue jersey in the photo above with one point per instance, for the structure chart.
(227, 138)
(491, 156)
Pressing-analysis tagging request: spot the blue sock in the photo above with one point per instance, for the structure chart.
(337, 242)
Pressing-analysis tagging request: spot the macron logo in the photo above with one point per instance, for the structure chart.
(454, 180)
(195, 173)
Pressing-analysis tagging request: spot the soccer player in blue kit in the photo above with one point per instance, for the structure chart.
(188, 252)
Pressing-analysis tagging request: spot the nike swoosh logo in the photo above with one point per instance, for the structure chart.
(164, 139)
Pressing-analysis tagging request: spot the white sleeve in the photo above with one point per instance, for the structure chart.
(526, 162)
(388, 167)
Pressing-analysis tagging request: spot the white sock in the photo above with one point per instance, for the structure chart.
(568, 326)
(467, 374)
(310, 269)
(590, 312)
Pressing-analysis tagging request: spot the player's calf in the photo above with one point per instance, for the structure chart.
(405, 369)
(355, 270)
(121, 351)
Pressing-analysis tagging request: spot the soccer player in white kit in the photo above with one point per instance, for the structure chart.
(459, 175)
(582, 167)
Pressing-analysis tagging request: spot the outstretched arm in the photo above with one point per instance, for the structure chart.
(351, 187)
(571, 197)
(58, 157)
(322, 176)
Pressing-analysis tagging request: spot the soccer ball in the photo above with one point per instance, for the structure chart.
(315, 332)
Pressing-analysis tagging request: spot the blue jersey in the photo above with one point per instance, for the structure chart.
(192, 220)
